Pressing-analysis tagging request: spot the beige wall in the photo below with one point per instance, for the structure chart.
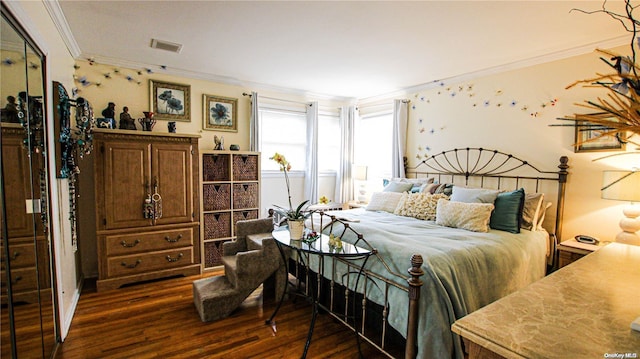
(136, 95)
(511, 112)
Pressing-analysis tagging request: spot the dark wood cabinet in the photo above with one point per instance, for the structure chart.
(147, 207)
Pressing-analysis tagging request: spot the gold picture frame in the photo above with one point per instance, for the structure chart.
(220, 113)
(170, 101)
(590, 140)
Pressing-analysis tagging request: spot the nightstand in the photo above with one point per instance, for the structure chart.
(571, 250)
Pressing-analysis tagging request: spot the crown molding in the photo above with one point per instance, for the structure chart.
(532, 61)
(60, 22)
(250, 85)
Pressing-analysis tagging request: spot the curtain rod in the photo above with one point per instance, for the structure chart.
(279, 99)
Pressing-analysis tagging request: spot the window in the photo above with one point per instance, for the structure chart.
(373, 144)
(328, 142)
(283, 131)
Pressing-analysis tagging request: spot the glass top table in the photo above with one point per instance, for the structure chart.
(320, 246)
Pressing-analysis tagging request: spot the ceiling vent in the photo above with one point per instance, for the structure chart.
(165, 45)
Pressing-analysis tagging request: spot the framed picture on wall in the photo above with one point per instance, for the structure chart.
(220, 113)
(170, 101)
(598, 142)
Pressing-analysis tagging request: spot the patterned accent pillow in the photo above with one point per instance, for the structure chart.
(470, 216)
(421, 205)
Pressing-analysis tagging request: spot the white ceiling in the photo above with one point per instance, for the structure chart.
(350, 49)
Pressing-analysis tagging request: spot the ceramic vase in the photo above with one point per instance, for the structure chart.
(147, 122)
(296, 229)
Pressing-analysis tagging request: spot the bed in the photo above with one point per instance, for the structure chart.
(451, 271)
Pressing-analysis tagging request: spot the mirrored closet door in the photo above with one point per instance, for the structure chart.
(28, 328)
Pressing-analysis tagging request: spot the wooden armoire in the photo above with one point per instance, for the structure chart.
(28, 247)
(146, 206)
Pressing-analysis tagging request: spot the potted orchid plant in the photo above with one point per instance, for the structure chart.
(295, 217)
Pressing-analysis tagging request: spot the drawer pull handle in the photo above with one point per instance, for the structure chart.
(168, 239)
(131, 266)
(127, 245)
(15, 255)
(16, 280)
(169, 259)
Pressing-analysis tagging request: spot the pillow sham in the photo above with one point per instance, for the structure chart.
(473, 195)
(532, 210)
(418, 184)
(419, 205)
(398, 187)
(384, 201)
(470, 216)
(507, 214)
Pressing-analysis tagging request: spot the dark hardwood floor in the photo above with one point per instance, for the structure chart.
(159, 320)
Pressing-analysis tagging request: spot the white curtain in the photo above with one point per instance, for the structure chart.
(254, 124)
(344, 179)
(311, 174)
(400, 119)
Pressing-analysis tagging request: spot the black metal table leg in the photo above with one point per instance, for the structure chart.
(284, 290)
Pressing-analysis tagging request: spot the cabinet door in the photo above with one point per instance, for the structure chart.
(15, 169)
(127, 177)
(172, 166)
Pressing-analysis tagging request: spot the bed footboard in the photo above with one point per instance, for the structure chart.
(415, 283)
(345, 304)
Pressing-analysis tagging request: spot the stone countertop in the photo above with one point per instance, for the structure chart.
(583, 310)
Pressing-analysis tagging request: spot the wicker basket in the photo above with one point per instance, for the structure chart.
(245, 195)
(213, 253)
(244, 215)
(245, 168)
(216, 197)
(217, 225)
(215, 168)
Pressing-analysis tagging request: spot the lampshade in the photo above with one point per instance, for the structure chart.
(624, 186)
(360, 173)
(621, 185)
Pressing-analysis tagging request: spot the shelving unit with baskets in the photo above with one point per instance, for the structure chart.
(230, 192)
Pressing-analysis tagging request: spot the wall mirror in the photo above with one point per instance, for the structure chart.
(28, 328)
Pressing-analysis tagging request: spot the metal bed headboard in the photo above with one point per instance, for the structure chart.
(486, 168)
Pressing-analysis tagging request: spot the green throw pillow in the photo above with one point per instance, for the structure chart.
(508, 212)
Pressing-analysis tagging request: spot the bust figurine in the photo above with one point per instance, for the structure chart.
(126, 122)
(110, 111)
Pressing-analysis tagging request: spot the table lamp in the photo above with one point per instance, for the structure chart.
(625, 186)
(360, 174)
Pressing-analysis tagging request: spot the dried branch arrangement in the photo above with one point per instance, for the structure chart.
(618, 113)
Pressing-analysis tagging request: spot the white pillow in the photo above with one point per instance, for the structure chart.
(421, 205)
(384, 201)
(470, 216)
(473, 195)
(543, 212)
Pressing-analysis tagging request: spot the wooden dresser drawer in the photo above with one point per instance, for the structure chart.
(23, 279)
(123, 244)
(146, 262)
(20, 255)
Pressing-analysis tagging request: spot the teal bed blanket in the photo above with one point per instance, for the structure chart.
(464, 271)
